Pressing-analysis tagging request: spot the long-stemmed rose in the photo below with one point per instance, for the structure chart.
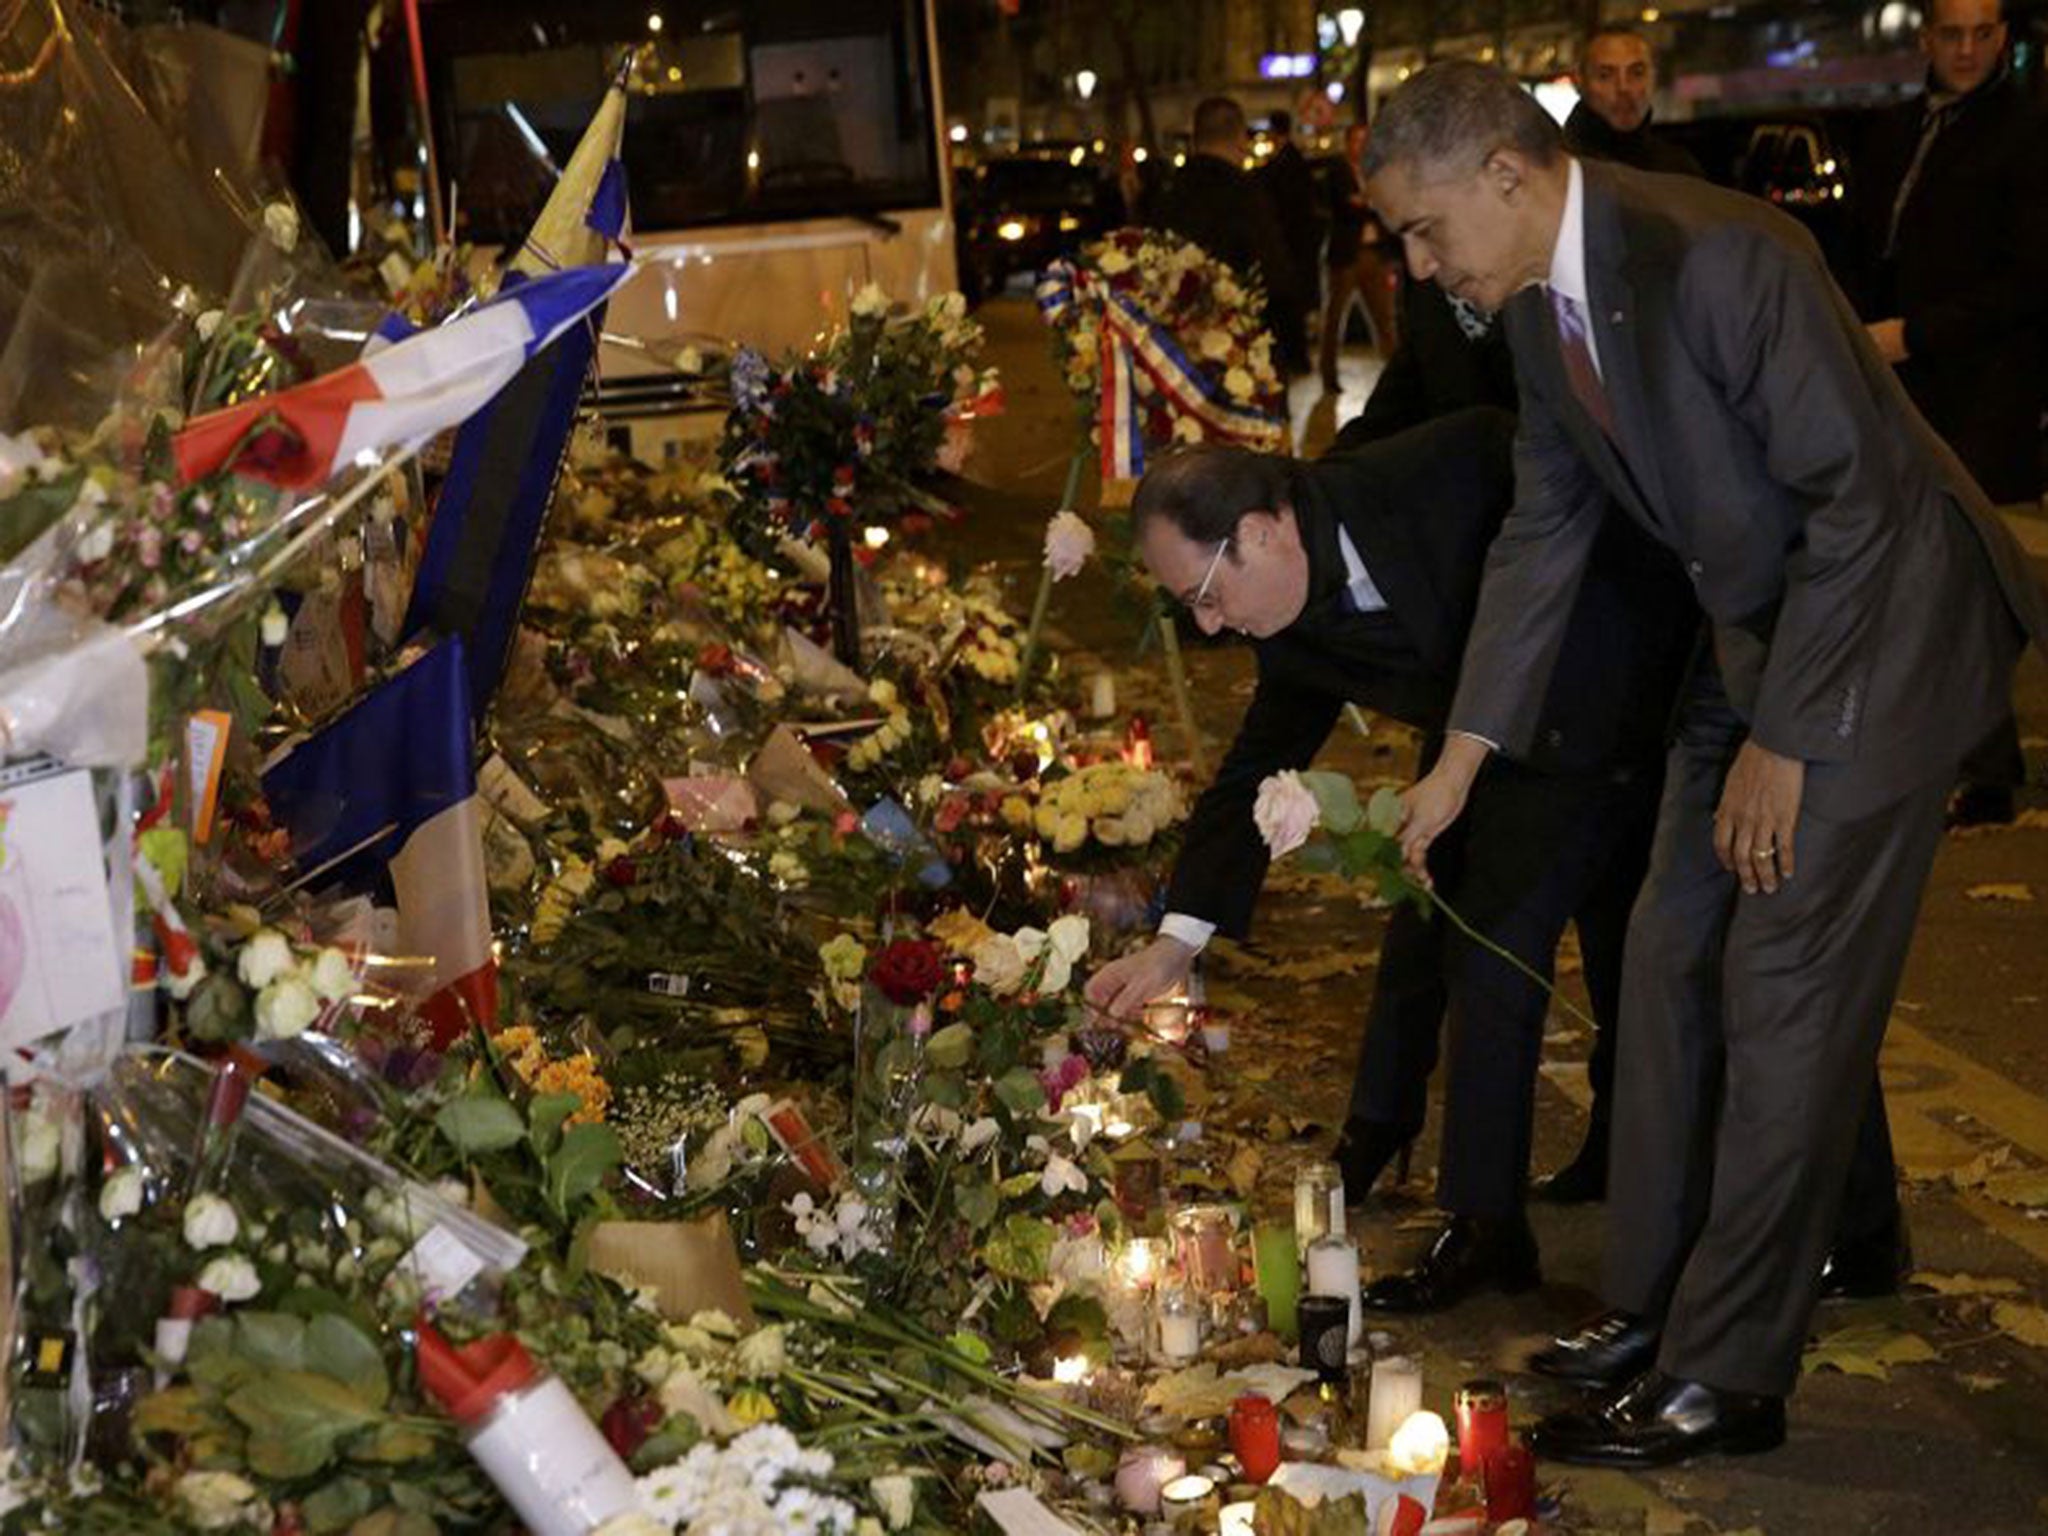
(1069, 541)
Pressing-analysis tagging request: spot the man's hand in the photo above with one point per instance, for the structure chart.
(1759, 809)
(1890, 339)
(1433, 803)
(1123, 987)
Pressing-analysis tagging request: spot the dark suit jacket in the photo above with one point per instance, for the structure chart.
(1970, 277)
(1223, 210)
(1420, 508)
(1290, 185)
(1587, 133)
(1436, 369)
(1861, 591)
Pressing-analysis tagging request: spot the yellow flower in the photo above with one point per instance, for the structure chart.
(750, 1406)
(1017, 813)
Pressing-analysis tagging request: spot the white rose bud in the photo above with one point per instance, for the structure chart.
(210, 1222)
(285, 1008)
(871, 301)
(97, 544)
(230, 1277)
(281, 223)
(1069, 541)
(896, 1495)
(690, 360)
(207, 324)
(121, 1195)
(265, 957)
(333, 977)
(275, 626)
(42, 1145)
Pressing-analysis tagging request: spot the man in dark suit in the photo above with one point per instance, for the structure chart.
(1213, 201)
(1952, 215)
(1685, 359)
(1355, 577)
(1611, 121)
(1290, 185)
(1354, 262)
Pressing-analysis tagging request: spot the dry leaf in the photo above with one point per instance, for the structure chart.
(1966, 1285)
(2022, 1186)
(2001, 890)
(1981, 1169)
(960, 931)
(1868, 1349)
(1315, 968)
(2031, 817)
(2019, 1320)
(1981, 1383)
(1244, 1170)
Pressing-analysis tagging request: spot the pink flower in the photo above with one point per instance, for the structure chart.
(149, 547)
(954, 448)
(1285, 812)
(1069, 541)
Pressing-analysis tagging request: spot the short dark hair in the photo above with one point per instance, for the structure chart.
(1217, 118)
(1203, 489)
(1281, 122)
(1456, 113)
(1616, 29)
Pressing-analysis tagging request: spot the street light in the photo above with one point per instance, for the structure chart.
(1084, 83)
(1350, 22)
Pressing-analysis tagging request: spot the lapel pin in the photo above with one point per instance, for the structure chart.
(1616, 317)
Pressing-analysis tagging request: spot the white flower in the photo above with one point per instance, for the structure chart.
(217, 1501)
(713, 1163)
(266, 956)
(1056, 966)
(1113, 261)
(690, 360)
(42, 1144)
(97, 543)
(333, 977)
(870, 301)
(207, 323)
(1238, 384)
(285, 1008)
(1215, 344)
(1186, 430)
(1285, 812)
(281, 223)
(999, 964)
(210, 1222)
(1069, 541)
(180, 983)
(1062, 1173)
(633, 1523)
(897, 1496)
(979, 1134)
(1069, 936)
(230, 1277)
(121, 1195)
(275, 626)
(761, 1352)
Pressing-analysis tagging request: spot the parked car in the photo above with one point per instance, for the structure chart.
(1021, 212)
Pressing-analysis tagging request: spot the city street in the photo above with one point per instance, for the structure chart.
(1923, 1414)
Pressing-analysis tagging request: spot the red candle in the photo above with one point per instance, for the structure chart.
(1482, 1423)
(1255, 1436)
(1510, 1484)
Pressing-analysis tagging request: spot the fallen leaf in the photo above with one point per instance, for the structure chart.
(1966, 1285)
(2035, 818)
(1244, 1170)
(2022, 1321)
(2001, 890)
(1868, 1349)
(2021, 1186)
(1314, 968)
(1981, 1169)
(1981, 1383)
(960, 931)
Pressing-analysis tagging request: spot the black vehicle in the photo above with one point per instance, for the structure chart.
(1020, 213)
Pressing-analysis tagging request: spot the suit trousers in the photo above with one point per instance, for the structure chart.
(1533, 852)
(1747, 1062)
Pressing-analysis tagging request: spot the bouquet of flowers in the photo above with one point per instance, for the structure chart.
(1182, 331)
(1110, 805)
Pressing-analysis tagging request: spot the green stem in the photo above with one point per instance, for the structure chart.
(1459, 923)
(1038, 606)
(1183, 699)
(1074, 466)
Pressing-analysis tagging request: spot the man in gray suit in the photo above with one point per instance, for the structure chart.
(1683, 357)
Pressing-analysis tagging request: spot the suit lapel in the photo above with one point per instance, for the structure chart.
(1617, 323)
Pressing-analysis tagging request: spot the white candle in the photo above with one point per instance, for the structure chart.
(1396, 1393)
(1102, 696)
(1237, 1519)
(1333, 1271)
(1180, 1335)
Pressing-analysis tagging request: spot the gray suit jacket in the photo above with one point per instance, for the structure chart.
(1861, 590)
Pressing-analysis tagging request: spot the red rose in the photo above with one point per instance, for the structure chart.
(621, 872)
(629, 1422)
(908, 971)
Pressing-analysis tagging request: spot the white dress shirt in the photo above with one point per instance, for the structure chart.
(1568, 260)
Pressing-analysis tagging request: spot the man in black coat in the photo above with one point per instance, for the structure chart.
(1290, 185)
(1213, 201)
(1356, 578)
(1616, 74)
(1952, 215)
(1354, 261)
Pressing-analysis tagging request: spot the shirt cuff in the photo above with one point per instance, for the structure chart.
(1485, 741)
(1191, 931)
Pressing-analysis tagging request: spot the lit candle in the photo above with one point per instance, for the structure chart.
(1144, 1470)
(1396, 1393)
(1102, 696)
(1185, 1501)
(1168, 1019)
(1180, 1327)
(1141, 1261)
(1420, 1445)
(1313, 1186)
(1072, 1371)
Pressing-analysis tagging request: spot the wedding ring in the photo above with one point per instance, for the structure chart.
(1766, 853)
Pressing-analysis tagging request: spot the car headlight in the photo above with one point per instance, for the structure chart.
(1011, 229)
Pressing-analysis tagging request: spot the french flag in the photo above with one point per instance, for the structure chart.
(398, 396)
(385, 795)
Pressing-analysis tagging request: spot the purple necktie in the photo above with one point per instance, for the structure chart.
(1578, 361)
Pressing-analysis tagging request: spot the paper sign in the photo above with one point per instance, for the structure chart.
(206, 748)
(442, 1263)
(1019, 1512)
(59, 964)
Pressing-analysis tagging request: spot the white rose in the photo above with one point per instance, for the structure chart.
(216, 1501)
(265, 957)
(281, 223)
(634, 1523)
(896, 1495)
(1285, 812)
(121, 1195)
(1069, 541)
(871, 301)
(761, 1353)
(275, 626)
(1215, 344)
(1238, 384)
(979, 1134)
(97, 544)
(210, 1222)
(713, 1163)
(1061, 1174)
(1186, 430)
(333, 977)
(690, 360)
(285, 1008)
(207, 324)
(1068, 936)
(42, 1144)
(180, 983)
(999, 964)
(230, 1277)
(1113, 261)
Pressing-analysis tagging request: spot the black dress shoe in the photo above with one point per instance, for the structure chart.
(1867, 1267)
(1583, 1180)
(1982, 805)
(1659, 1420)
(1365, 1149)
(1469, 1253)
(1614, 1348)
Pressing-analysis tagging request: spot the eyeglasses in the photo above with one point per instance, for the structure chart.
(1201, 595)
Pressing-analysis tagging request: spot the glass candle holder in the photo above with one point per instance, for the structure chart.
(1179, 1320)
(1205, 1243)
(1313, 1187)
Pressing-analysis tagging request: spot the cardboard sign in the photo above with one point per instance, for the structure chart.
(59, 964)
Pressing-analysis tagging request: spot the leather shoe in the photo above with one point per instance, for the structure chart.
(1469, 1253)
(1612, 1349)
(1868, 1267)
(1982, 805)
(1659, 1420)
(1365, 1149)
(1583, 1180)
